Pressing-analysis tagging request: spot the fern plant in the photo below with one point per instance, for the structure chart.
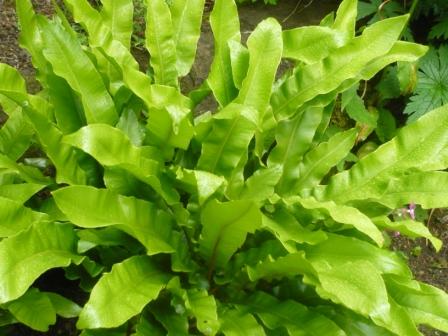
(227, 223)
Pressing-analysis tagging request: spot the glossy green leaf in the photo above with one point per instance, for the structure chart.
(338, 249)
(118, 15)
(426, 304)
(371, 175)
(225, 226)
(293, 139)
(225, 26)
(312, 44)
(292, 315)
(203, 308)
(31, 253)
(71, 63)
(174, 323)
(345, 20)
(222, 149)
(345, 215)
(343, 64)
(33, 309)
(20, 192)
(318, 161)
(237, 322)
(15, 135)
(25, 173)
(187, 18)
(14, 217)
(409, 228)
(239, 58)
(265, 51)
(63, 306)
(289, 231)
(160, 42)
(111, 147)
(122, 293)
(101, 208)
(261, 185)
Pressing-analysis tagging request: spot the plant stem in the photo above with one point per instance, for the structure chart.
(412, 9)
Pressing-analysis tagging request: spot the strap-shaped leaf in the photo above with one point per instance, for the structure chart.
(426, 304)
(20, 192)
(63, 306)
(160, 42)
(223, 148)
(292, 315)
(371, 175)
(111, 147)
(345, 20)
(338, 249)
(25, 173)
(237, 322)
(14, 217)
(224, 229)
(187, 18)
(118, 15)
(239, 58)
(15, 135)
(265, 46)
(312, 44)
(409, 228)
(122, 293)
(33, 309)
(289, 231)
(318, 161)
(101, 208)
(293, 139)
(261, 185)
(226, 27)
(345, 215)
(70, 62)
(31, 253)
(343, 64)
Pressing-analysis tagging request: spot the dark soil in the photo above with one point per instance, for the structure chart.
(427, 265)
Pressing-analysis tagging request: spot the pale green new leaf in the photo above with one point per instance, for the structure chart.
(239, 58)
(409, 228)
(160, 42)
(70, 62)
(417, 145)
(226, 27)
(21, 192)
(31, 253)
(343, 214)
(345, 20)
(312, 44)
(294, 316)
(14, 217)
(426, 304)
(203, 307)
(318, 161)
(187, 18)
(343, 64)
(265, 51)
(33, 309)
(101, 207)
(261, 185)
(118, 15)
(225, 145)
(225, 227)
(122, 293)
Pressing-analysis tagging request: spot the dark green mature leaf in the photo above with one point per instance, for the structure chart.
(31, 253)
(225, 226)
(122, 293)
(33, 309)
(432, 85)
(225, 26)
(101, 207)
(160, 42)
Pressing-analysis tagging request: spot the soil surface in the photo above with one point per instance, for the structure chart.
(427, 265)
